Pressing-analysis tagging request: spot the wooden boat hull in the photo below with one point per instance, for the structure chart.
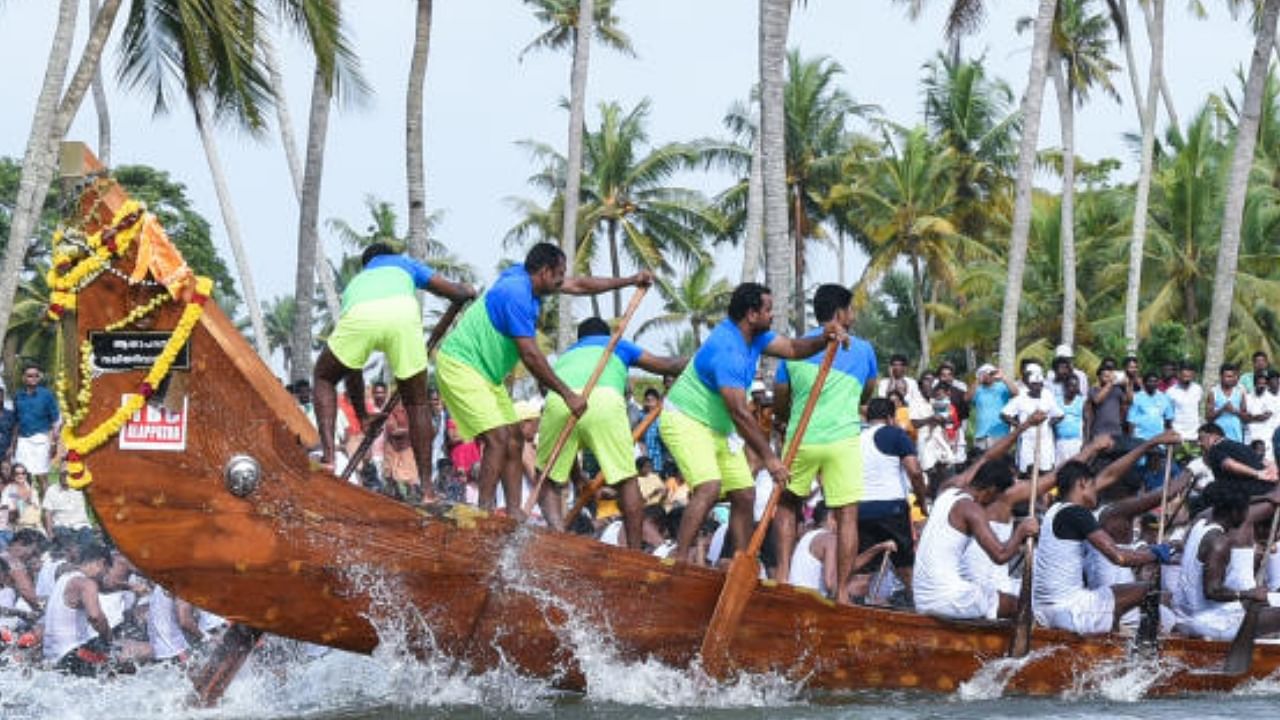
(315, 559)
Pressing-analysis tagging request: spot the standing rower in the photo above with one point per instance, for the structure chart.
(493, 336)
(604, 428)
(830, 451)
(706, 419)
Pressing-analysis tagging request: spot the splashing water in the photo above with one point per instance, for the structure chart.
(1122, 680)
(994, 675)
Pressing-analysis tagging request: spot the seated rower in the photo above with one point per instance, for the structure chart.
(958, 522)
(1204, 598)
(1060, 598)
(815, 563)
(77, 635)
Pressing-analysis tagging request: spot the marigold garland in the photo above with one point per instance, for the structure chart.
(70, 271)
(80, 446)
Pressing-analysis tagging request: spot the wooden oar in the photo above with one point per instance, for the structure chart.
(572, 422)
(597, 482)
(873, 592)
(740, 580)
(211, 678)
(1260, 575)
(373, 428)
(1020, 643)
(1148, 638)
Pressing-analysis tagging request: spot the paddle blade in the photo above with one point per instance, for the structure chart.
(738, 584)
(1020, 643)
(211, 678)
(1147, 642)
(1240, 654)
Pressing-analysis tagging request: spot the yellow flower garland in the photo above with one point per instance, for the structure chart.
(80, 446)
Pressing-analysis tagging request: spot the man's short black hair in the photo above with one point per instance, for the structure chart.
(820, 513)
(1226, 497)
(380, 384)
(1070, 475)
(94, 551)
(1185, 365)
(592, 326)
(1150, 375)
(1259, 354)
(1130, 358)
(375, 250)
(1211, 429)
(994, 474)
(880, 409)
(1229, 367)
(543, 255)
(652, 393)
(898, 358)
(641, 462)
(747, 297)
(829, 299)
(30, 537)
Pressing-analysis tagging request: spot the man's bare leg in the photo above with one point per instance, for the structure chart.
(329, 371)
(742, 505)
(632, 505)
(551, 501)
(701, 499)
(492, 462)
(784, 528)
(513, 473)
(413, 392)
(846, 548)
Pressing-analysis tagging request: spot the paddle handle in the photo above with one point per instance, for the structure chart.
(1164, 492)
(374, 426)
(757, 538)
(1020, 643)
(601, 364)
(597, 482)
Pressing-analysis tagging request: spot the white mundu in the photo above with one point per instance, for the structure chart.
(806, 570)
(65, 628)
(1059, 597)
(938, 586)
(167, 639)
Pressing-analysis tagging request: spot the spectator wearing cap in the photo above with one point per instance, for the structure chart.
(1063, 367)
(1021, 407)
(986, 398)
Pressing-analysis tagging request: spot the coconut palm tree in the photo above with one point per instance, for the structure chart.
(1224, 276)
(415, 173)
(1078, 64)
(575, 22)
(384, 226)
(696, 301)
(55, 109)
(775, 17)
(625, 196)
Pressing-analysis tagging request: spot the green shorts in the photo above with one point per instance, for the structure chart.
(603, 428)
(474, 403)
(704, 454)
(837, 465)
(392, 325)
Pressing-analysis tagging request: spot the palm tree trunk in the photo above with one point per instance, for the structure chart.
(232, 224)
(1164, 83)
(1031, 103)
(55, 109)
(324, 271)
(573, 171)
(922, 323)
(1224, 276)
(1142, 195)
(414, 170)
(753, 233)
(840, 256)
(615, 266)
(100, 101)
(1066, 231)
(775, 16)
(798, 311)
(308, 220)
(696, 326)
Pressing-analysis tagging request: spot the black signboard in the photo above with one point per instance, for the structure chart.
(121, 351)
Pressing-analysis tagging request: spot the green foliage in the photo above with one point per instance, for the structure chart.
(1167, 343)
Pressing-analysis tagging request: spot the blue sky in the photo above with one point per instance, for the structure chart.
(695, 57)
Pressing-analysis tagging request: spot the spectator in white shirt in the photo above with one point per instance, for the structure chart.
(64, 507)
(1187, 397)
(1021, 407)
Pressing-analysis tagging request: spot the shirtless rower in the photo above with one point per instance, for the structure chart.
(23, 556)
(959, 521)
(1210, 608)
(1060, 598)
(816, 561)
